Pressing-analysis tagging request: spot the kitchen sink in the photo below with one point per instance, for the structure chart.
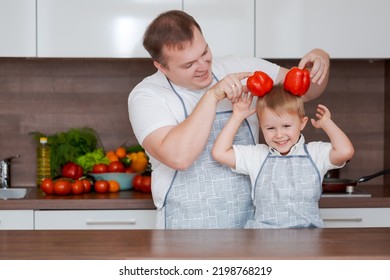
(13, 193)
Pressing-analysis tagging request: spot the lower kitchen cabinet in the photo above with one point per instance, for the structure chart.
(16, 219)
(95, 219)
(356, 217)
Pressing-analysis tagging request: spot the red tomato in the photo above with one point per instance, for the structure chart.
(146, 185)
(116, 166)
(100, 168)
(62, 187)
(259, 84)
(297, 81)
(137, 180)
(130, 169)
(87, 185)
(142, 183)
(77, 187)
(47, 186)
(72, 170)
(101, 186)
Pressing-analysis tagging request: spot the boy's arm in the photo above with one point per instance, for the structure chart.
(223, 147)
(342, 148)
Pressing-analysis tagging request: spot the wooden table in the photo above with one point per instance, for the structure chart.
(366, 243)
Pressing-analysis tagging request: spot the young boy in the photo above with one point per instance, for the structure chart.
(286, 174)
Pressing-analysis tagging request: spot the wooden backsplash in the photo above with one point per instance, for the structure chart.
(52, 95)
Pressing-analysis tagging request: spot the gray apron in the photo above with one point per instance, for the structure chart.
(287, 191)
(208, 195)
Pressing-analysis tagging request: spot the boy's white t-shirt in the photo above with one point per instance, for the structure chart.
(249, 159)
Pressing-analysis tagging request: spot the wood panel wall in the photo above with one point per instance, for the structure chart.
(52, 95)
(387, 122)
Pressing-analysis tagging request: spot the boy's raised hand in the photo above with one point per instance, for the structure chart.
(242, 107)
(323, 115)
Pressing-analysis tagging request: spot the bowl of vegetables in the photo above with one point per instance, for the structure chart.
(124, 179)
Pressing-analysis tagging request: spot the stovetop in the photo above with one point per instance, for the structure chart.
(355, 193)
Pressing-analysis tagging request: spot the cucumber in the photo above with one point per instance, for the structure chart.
(135, 149)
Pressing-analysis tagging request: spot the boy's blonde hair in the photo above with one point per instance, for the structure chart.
(281, 101)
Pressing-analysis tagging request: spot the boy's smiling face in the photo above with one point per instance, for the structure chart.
(281, 132)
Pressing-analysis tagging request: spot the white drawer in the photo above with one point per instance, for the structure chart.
(95, 219)
(356, 217)
(16, 219)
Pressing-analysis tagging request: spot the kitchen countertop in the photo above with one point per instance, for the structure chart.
(306, 244)
(380, 197)
(37, 200)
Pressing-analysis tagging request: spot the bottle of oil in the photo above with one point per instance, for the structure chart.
(43, 160)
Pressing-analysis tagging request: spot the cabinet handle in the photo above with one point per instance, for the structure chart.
(127, 222)
(355, 220)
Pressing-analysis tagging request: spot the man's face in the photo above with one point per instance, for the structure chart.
(190, 67)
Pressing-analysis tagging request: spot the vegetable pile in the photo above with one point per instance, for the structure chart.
(78, 152)
(68, 146)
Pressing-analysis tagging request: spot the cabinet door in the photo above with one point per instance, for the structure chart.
(345, 29)
(16, 219)
(96, 28)
(17, 28)
(95, 219)
(228, 26)
(356, 217)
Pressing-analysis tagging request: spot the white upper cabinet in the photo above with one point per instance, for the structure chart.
(17, 28)
(345, 29)
(90, 28)
(228, 26)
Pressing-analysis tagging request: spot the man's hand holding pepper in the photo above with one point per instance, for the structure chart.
(317, 61)
(230, 87)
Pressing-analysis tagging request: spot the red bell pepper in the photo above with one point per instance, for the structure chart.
(297, 81)
(259, 83)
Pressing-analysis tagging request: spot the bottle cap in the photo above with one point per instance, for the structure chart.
(43, 140)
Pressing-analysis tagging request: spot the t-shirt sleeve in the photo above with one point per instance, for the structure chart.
(319, 151)
(249, 158)
(148, 112)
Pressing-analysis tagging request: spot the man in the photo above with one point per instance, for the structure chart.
(177, 113)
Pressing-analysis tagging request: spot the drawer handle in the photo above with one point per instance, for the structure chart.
(128, 222)
(355, 220)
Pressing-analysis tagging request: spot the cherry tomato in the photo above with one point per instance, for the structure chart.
(137, 180)
(72, 170)
(130, 169)
(62, 187)
(143, 183)
(101, 186)
(100, 168)
(77, 187)
(146, 185)
(116, 166)
(87, 185)
(47, 186)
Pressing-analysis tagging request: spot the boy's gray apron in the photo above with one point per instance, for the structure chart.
(209, 195)
(287, 191)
